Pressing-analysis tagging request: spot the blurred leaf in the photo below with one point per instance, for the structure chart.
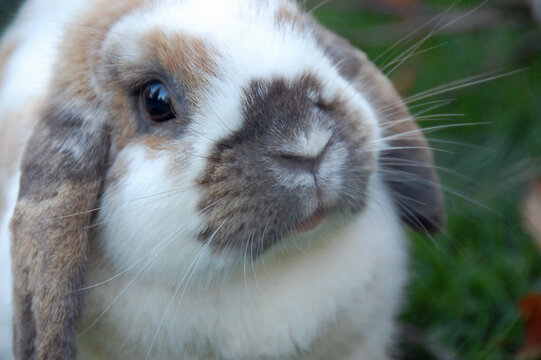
(530, 308)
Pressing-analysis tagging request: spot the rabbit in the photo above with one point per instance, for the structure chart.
(203, 179)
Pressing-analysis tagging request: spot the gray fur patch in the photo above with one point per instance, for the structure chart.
(61, 149)
(62, 172)
(246, 204)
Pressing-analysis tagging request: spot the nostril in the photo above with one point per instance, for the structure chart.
(298, 163)
(307, 158)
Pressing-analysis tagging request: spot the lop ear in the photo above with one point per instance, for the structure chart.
(407, 164)
(62, 171)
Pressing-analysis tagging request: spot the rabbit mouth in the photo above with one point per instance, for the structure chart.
(311, 223)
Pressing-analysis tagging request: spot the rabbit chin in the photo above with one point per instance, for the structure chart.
(180, 297)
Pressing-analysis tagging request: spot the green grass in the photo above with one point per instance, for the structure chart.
(467, 282)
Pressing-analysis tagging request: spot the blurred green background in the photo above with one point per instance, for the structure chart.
(466, 283)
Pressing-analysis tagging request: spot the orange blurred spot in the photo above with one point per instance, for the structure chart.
(530, 307)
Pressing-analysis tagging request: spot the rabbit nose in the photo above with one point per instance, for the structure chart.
(299, 163)
(306, 154)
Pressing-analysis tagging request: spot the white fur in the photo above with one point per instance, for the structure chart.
(280, 304)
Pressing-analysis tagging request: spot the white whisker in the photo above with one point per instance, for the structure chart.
(190, 270)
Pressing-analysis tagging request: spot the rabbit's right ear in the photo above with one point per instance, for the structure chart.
(62, 171)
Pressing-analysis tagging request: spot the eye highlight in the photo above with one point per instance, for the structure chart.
(156, 102)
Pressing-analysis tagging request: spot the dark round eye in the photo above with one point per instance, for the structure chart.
(156, 102)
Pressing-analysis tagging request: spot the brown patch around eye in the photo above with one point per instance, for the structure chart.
(185, 56)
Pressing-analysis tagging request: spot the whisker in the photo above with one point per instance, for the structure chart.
(434, 117)
(322, 3)
(450, 87)
(191, 268)
(409, 35)
(436, 105)
(414, 179)
(456, 143)
(156, 249)
(244, 269)
(146, 255)
(429, 148)
(95, 321)
(408, 52)
(126, 201)
(424, 130)
(252, 240)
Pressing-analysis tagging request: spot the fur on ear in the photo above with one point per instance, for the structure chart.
(407, 164)
(62, 171)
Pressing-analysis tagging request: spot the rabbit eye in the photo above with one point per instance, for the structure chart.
(156, 102)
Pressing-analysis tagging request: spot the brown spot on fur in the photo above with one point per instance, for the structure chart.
(185, 55)
(7, 49)
(48, 262)
(184, 63)
(81, 48)
(288, 14)
(154, 143)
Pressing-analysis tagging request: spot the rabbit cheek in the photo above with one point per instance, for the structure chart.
(149, 208)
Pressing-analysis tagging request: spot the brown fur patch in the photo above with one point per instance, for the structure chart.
(186, 64)
(80, 54)
(288, 14)
(185, 55)
(81, 48)
(6, 50)
(154, 143)
(48, 262)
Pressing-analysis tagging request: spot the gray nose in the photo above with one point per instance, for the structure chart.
(299, 163)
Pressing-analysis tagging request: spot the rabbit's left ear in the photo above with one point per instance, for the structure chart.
(406, 164)
(62, 173)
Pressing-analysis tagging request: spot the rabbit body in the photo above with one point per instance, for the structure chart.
(259, 222)
(332, 300)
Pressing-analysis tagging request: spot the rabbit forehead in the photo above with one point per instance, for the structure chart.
(250, 38)
(217, 55)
